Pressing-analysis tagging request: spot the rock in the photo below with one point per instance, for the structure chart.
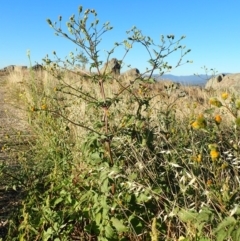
(14, 68)
(37, 67)
(9, 68)
(19, 68)
(111, 67)
(130, 75)
(225, 82)
(214, 81)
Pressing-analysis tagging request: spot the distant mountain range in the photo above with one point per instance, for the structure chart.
(199, 80)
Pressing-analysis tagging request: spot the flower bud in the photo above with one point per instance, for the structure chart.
(224, 95)
(218, 119)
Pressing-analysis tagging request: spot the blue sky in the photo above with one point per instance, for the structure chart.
(211, 27)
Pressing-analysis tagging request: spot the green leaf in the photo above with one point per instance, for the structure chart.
(132, 176)
(69, 198)
(120, 227)
(105, 213)
(221, 235)
(104, 186)
(102, 239)
(209, 111)
(109, 231)
(226, 222)
(229, 230)
(47, 234)
(103, 202)
(136, 223)
(186, 215)
(96, 156)
(98, 218)
(236, 234)
(203, 239)
(143, 198)
(204, 215)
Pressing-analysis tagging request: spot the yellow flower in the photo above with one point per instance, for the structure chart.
(200, 122)
(224, 95)
(214, 154)
(195, 125)
(197, 158)
(218, 119)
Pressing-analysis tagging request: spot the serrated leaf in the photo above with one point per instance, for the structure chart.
(103, 202)
(120, 227)
(109, 231)
(105, 213)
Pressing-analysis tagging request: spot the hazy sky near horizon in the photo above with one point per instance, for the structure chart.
(211, 27)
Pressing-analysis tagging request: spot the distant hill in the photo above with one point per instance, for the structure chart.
(199, 80)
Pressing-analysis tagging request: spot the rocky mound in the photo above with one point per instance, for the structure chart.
(229, 82)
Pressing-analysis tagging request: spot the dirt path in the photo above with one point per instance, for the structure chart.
(14, 137)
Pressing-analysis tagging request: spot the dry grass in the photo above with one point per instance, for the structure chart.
(187, 101)
(179, 150)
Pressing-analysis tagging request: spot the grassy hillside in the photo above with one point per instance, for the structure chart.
(165, 169)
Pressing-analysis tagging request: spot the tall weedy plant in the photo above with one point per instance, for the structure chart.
(111, 190)
(87, 36)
